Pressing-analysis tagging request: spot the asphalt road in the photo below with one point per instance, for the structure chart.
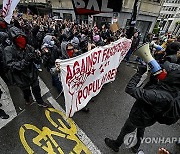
(108, 112)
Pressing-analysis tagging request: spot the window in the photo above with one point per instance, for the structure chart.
(67, 16)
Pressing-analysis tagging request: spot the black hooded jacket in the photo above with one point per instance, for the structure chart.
(154, 102)
(3, 37)
(21, 72)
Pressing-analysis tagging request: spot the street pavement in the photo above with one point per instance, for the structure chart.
(32, 129)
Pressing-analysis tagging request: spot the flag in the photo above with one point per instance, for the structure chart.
(8, 8)
(96, 6)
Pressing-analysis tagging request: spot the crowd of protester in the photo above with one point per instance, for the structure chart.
(28, 44)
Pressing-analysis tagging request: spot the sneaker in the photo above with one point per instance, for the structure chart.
(111, 144)
(45, 105)
(3, 115)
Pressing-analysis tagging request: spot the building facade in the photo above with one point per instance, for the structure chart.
(148, 13)
(170, 17)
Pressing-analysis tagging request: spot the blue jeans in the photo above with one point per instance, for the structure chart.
(57, 83)
(128, 55)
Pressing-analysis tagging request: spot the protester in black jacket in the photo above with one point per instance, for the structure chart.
(50, 52)
(4, 41)
(153, 104)
(20, 59)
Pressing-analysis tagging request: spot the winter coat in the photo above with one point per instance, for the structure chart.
(53, 52)
(4, 42)
(21, 72)
(63, 50)
(151, 103)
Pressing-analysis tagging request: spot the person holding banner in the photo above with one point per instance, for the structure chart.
(155, 102)
(55, 72)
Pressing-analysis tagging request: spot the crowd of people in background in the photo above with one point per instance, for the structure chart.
(28, 44)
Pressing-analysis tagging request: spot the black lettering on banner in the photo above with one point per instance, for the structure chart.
(96, 6)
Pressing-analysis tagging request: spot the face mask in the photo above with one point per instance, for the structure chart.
(70, 52)
(3, 25)
(21, 42)
(52, 43)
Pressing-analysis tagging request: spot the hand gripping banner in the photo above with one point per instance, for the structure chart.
(83, 76)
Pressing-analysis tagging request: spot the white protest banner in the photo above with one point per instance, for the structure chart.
(8, 8)
(83, 76)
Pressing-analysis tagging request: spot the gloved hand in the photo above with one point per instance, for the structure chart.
(29, 57)
(46, 56)
(141, 69)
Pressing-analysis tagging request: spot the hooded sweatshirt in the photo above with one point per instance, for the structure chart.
(21, 72)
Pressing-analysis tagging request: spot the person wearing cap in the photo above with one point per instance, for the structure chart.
(20, 58)
(155, 102)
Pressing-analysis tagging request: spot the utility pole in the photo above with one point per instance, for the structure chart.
(132, 22)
